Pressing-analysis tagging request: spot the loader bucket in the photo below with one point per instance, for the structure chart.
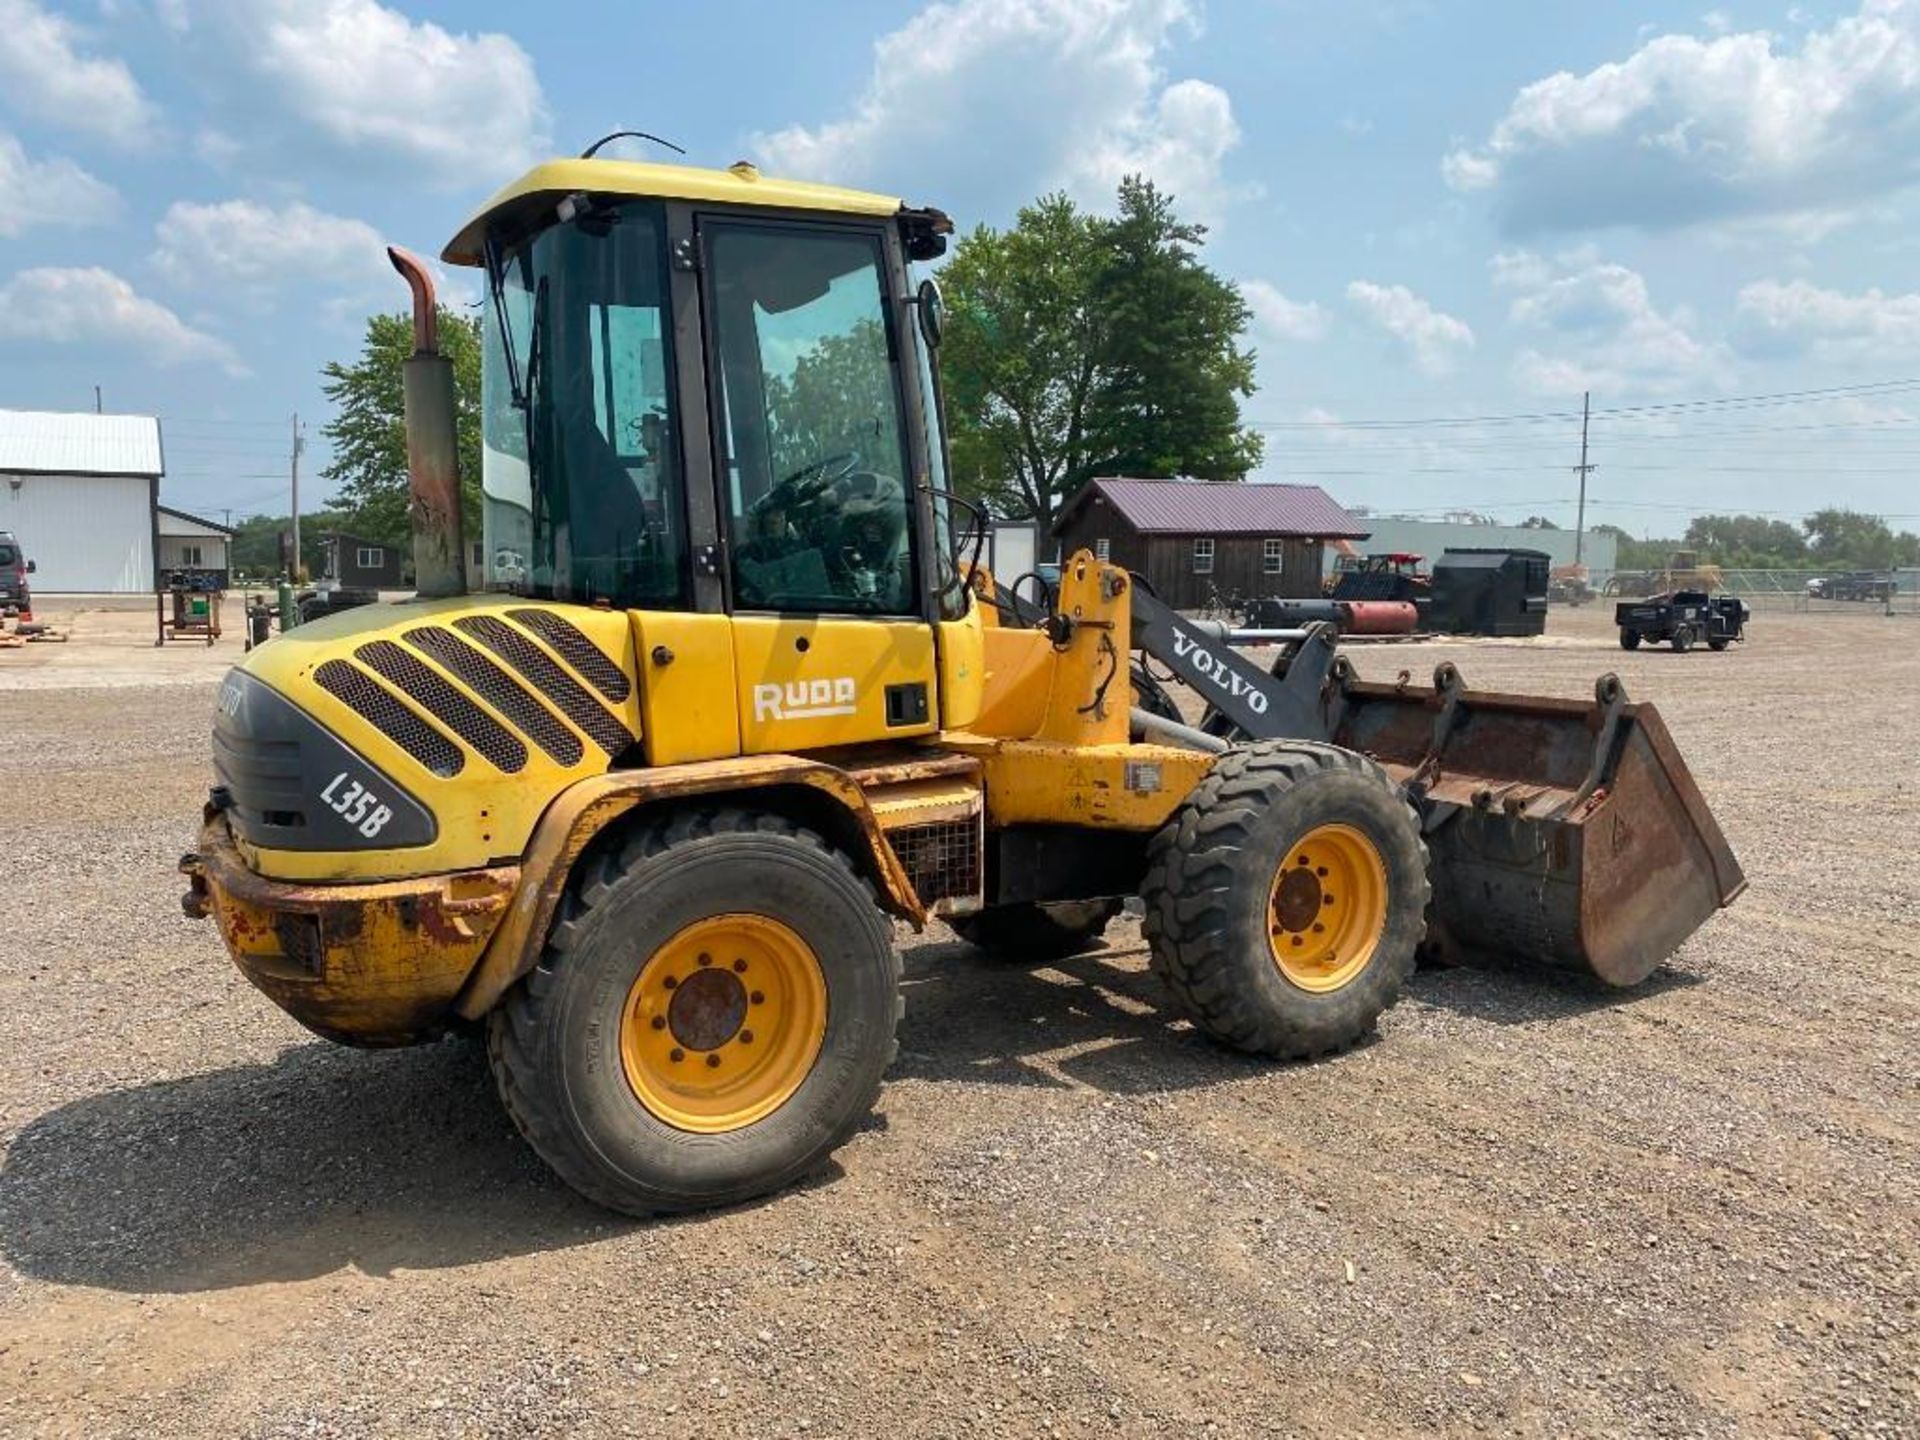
(1561, 832)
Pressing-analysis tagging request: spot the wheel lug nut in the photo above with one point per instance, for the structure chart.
(1321, 871)
(1318, 927)
(1326, 899)
(706, 959)
(739, 967)
(659, 1022)
(713, 1062)
(746, 1037)
(676, 1055)
(670, 982)
(758, 998)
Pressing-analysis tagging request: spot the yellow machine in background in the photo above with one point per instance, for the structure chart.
(736, 699)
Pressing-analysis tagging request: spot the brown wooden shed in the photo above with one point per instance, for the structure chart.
(1195, 539)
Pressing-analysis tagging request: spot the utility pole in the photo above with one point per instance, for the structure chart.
(293, 570)
(96, 399)
(1582, 469)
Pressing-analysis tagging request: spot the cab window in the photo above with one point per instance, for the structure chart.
(810, 431)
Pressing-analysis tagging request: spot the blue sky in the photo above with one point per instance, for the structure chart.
(1438, 212)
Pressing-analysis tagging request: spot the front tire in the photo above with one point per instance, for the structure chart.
(1286, 898)
(1629, 639)
(710, 1019)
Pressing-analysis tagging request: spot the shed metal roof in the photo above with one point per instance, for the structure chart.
(179, 522)
(1204, 507)
(43, 442)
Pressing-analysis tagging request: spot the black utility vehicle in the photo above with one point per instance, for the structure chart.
(1682, 617)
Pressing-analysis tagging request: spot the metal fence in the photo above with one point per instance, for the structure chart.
(1825, 592)
(1810, 592)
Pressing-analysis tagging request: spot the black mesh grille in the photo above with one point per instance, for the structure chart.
(941, 859)
(500, 690)
(578, 651)
(550, 680)
(446, 704)
(374, 703)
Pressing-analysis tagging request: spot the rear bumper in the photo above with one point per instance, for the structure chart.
(364, 964)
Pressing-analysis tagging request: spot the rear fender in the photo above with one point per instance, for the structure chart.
(813, 792)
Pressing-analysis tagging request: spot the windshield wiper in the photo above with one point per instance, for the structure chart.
(496, 287)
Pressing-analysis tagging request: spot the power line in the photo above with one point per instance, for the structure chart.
(1734, 402)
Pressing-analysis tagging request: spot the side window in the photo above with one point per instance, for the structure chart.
(811, 432)
(1103, 549)
(1203, 555)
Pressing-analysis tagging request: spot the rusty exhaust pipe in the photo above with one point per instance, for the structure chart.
(433, 448)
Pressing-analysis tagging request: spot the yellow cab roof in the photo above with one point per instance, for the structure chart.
(742, 184)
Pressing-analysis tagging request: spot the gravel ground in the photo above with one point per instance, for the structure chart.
(1527, 1208)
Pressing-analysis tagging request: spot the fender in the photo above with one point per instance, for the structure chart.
(584, 809)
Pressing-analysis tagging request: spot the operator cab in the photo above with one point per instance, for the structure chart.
(707, 391)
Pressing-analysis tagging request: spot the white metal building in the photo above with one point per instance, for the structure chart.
(189, 543)
(81, 493)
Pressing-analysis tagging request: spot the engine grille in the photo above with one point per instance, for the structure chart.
(606, 729)
(578, 651)
(446, 704)
(500, 690)
(377, 705)
(941, 859)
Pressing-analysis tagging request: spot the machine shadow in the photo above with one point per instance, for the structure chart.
(990, 1018)
(321, 1159)
(1504, 992)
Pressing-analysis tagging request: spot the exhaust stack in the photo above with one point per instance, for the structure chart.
(433, 470)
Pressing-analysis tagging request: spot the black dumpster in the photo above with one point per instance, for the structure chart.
(1489, 592)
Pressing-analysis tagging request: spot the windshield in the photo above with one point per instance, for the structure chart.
(581, 469)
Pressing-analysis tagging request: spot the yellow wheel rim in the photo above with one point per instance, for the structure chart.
(723, 1023)
(1327, 908)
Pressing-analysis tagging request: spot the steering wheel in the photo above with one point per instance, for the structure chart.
(808, 486)
(830, 469)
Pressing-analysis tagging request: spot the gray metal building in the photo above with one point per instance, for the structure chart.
(1430, 537)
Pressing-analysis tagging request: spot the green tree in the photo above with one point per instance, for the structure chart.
(1847, 539)
(368, 429)
(1081, 345)
(1172, 372)
(256, 542)
(1748, 542)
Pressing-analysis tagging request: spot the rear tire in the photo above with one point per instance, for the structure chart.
(1682, 640)
(1037, 932)
(1235, 937)
(1717, 644)
(773, 1061)
(1629, 639)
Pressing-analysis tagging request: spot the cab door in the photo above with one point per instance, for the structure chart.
(833, 643)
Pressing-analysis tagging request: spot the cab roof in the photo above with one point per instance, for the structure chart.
(740, 184)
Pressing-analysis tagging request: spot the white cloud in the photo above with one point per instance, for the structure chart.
(1797, 317)
(1716, 22)
(1603, 328)
(1433, 339)
(1278, 318)
(364, 77)
(54, 306)
(1687, 129)
(1018, 95)
(54, 191)
(243, 242)
(45, 73)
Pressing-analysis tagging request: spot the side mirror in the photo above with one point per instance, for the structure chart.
(32, 565)
(933, 312)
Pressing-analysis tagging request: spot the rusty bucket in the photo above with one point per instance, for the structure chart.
(1561, 832)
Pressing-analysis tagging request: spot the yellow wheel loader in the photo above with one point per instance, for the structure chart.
(735, 697)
